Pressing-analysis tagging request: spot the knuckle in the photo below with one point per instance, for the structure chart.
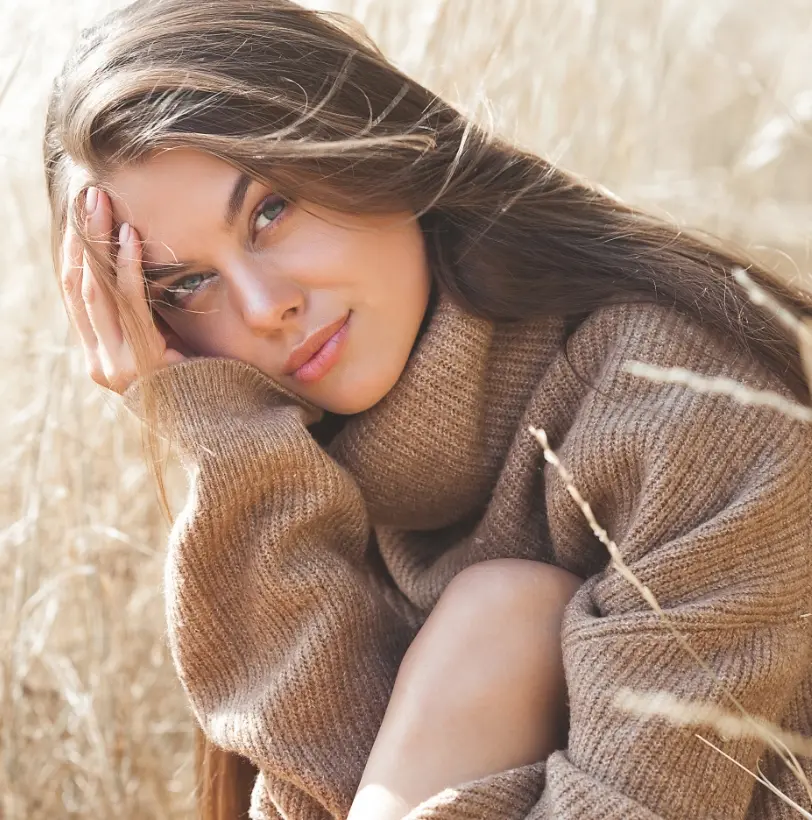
(120, 371)
(97, 374)
(70, 282)
(127, 280)
(122, 380)
(69, 277)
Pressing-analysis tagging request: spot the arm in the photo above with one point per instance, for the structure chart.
(285, 641)
(709, 504)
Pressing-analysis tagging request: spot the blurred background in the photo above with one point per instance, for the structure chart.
(700, 111)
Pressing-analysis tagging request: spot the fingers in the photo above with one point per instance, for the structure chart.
(130, 277)
(95, 315)
(72, 261)
(101, 311)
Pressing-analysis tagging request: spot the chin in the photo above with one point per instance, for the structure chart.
(349, 399)
(348, 405)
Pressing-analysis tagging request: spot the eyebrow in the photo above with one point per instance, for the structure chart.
(155, 270)
(237, 198)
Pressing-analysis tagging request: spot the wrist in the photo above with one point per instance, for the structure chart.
(189, 388)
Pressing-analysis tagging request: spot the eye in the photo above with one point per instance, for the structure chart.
(183, 289)
(269, 211)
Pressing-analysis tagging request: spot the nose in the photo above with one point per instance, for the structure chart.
(266, 301)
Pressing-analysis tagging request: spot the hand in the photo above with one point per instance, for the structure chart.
(108, 355)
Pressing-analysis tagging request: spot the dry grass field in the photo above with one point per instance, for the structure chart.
(699, 110)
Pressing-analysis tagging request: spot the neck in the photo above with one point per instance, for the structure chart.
(428, 454)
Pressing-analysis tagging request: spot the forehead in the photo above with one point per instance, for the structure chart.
(176, 200)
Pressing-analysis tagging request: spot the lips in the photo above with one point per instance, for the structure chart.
(311, 345)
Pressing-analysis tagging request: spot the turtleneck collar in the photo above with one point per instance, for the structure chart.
(429, 453)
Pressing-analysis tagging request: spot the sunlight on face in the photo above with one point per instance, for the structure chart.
(253, 276)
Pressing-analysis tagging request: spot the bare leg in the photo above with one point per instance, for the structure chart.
(481, 689)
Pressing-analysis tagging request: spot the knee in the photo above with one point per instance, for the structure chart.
(515, 589)
(499, 609)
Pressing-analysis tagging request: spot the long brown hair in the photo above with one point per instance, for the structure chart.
(224, 781)
(305, 101)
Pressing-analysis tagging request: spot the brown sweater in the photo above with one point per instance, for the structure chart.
(287, 631)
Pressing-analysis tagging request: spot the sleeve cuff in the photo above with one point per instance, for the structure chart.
(188, 389)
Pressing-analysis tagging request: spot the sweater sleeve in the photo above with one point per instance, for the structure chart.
(286, 642)
(708, 501)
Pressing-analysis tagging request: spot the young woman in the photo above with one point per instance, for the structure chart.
(346, 304)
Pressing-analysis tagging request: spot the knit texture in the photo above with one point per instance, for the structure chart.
(287, 635)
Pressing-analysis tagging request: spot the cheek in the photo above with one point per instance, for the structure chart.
(399, 268)
(319, 254)
(201, 334)
(317, 259)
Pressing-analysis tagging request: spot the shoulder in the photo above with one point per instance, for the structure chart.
(664, 428)
(657, 460)
(610, 338)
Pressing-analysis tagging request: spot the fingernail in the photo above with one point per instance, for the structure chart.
(123, 234)
(91, 200)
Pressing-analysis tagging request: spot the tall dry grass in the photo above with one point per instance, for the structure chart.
(701, 111)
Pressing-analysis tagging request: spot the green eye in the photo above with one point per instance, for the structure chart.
(187, 285)
(269, 212)
(179, 291)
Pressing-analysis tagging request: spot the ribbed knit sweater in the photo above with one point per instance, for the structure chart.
(297, 575)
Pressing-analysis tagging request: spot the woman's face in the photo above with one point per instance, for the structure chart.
(253, 277)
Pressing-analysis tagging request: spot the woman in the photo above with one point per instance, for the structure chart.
(346, 304)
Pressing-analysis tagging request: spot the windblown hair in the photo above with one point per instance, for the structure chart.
(304, 101)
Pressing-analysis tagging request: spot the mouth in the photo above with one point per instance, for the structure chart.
(319, 352)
